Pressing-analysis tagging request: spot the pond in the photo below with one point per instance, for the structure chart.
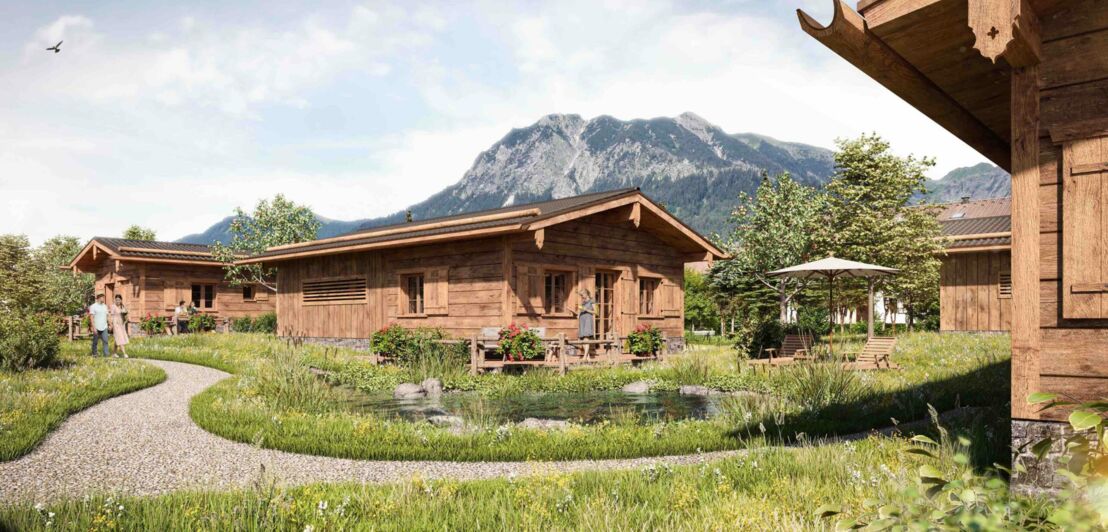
(584, 407)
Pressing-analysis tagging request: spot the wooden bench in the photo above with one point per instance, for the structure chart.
(876, 351)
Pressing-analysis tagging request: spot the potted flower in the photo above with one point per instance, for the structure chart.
(520, 343)
(645, 340)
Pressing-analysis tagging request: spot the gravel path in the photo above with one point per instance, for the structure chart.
(144, 443)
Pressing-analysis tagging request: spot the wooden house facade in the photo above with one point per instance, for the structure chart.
(524, 264)
(153, 277)
(1026, 84)
(975, 278)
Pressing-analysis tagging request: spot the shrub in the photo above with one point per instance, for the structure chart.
(244, 324)
(520, 343)
(152, 325)
(27, 341)
(816, 386)
(420, 350)
(202, 322)
(645, 340)
(391, 340)
(265, 323)
(755, 335)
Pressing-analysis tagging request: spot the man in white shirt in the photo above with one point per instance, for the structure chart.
(98, 323)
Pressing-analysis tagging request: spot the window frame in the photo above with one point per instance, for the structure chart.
(200, 301)
(654, 311)
(567, 286)
(253, 291)
(404, 305)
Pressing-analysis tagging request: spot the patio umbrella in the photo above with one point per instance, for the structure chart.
(832, 268)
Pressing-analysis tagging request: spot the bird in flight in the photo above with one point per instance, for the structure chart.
(56, 48)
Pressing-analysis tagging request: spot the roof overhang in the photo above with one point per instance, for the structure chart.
(95, 251)
(643, 213)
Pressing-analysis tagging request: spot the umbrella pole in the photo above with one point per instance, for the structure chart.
(831, 316)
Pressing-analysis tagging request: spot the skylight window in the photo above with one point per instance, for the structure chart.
(958, 215)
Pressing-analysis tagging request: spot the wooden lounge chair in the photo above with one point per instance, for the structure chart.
(876, 352)
(795, 346)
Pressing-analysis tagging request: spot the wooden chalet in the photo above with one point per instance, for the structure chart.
(975, 279)
(1025, 82)
(154, 276)
(522, 264)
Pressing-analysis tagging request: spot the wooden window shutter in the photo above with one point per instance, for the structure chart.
(171, 294)
(529, 289)
(436, 291)
(1085, 228)
(261, 293)
(671, 298)
(629, 294)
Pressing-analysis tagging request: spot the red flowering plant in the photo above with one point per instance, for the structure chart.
(390, 340)
(646, 340)
(520, 343)
(152, 324)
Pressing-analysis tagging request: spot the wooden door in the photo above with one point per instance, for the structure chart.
(605, 301)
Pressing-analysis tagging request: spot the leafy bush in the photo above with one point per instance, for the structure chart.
(202, 323)
(420, 351)
(645, 340)
(520, 343)
(244, 324)
(265, 323)
(27, 341)
(152, 325)
(1086, 449)
(756, 335)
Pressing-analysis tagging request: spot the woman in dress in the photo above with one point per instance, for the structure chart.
(118, 315)
(586, 322)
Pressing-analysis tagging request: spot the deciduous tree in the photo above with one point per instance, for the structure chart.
(274, 222)
(137, 232)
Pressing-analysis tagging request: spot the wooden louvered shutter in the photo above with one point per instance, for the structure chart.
(629, 294)
(436, 291)
(1085, 229)
(671, 298)
(529, 289)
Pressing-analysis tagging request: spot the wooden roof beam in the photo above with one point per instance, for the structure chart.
(848, 36)
(1006, 27)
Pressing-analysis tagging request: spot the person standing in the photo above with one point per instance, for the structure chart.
(98, 323)
(181, 317)
(118, 314)
(586, 319)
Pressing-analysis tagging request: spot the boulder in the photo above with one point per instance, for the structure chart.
(433, 387)
(543, 424)
(447, 421)
(638, 387)
(409, 390)
(694, 390)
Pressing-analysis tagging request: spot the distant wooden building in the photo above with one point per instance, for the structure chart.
(1023, 83)
(521, 264)
(153, 277)
(975, 280)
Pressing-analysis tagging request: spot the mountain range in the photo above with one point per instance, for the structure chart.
(693, 167)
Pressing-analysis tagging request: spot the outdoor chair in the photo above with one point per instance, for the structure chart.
(796, 346)
(876, 352)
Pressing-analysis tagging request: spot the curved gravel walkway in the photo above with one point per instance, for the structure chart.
(145, 443)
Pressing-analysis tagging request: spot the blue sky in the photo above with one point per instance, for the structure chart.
(171, 114)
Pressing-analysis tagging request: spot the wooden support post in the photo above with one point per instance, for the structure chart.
(665, 348)
(1025, 239)
(474, 358)
(540, 238)
(869, 313)
(562, 353)
(636, 214)
(69, 322)
(507, 304)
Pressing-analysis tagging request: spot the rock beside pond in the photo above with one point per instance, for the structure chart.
(543, 424)
(447, 421)
(694, 390)
(409, 390)
(637, 387)
(433, 387)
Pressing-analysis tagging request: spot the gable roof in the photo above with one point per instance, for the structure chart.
(144, 251)
(504, 220)
(977, 225)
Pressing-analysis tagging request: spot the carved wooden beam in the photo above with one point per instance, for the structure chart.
(636, 214)
(1006, 27)
(848, 36)
(540, 238)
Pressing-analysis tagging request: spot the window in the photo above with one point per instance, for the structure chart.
(556, 292)
(203, 295)
(335, 291)
(248, 292)
(412, 290)
(1005, 283)
(647, 288)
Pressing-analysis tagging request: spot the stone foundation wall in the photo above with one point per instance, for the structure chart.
(1041, 476)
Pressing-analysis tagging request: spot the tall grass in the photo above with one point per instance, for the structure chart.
(816, 386)
(35, 402)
